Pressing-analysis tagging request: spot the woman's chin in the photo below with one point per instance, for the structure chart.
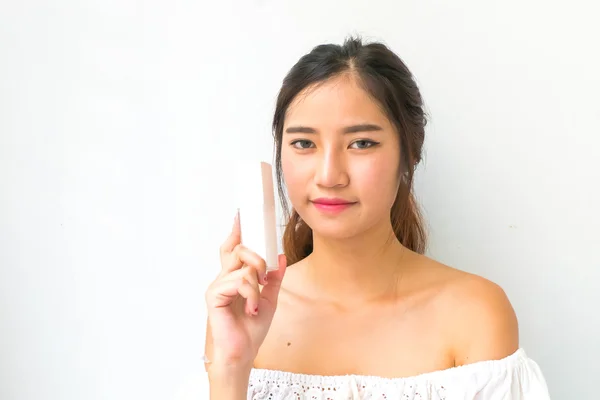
(335, 231)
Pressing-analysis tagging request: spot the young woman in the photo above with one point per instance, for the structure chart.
(361, 313)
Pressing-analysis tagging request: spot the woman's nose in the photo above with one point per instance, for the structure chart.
(331, 169)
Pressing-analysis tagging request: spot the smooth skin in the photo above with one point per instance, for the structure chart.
(361, 303)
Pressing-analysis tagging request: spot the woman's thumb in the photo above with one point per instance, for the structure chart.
(271, 291)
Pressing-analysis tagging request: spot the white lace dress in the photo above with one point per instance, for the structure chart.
(512, 378)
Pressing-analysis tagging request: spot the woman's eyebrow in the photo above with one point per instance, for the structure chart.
(362, 128)
(300, 129)
(348, 129)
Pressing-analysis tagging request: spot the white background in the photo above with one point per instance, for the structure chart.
(120, 122)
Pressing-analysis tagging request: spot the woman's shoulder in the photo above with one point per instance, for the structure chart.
(476, 312)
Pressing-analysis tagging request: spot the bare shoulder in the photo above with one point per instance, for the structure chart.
(478, 315)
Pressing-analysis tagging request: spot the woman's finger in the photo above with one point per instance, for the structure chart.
(241, 256)
(271, 291)
(251, 293)
(224, 292)
(250, 258)
(247, 272)
(231, 261)
(249, 276)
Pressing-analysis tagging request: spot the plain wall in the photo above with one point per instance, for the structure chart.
(120, 122)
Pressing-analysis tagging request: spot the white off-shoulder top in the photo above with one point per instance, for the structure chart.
(515, 377)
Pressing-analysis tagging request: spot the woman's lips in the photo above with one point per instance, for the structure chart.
(332, 205)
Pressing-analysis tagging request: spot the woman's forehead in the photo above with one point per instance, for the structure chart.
(338, 101)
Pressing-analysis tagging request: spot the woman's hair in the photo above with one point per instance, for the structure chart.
(387, 79)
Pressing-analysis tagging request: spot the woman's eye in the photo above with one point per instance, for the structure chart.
(302, 144)
(363, 144)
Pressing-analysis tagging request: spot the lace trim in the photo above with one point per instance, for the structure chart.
(492, 366)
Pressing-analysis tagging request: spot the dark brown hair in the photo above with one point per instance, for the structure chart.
(387, 79)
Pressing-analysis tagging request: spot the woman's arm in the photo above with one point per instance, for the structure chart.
(239, 316)
(228, 383)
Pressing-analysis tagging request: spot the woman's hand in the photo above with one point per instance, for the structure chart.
(239, 311)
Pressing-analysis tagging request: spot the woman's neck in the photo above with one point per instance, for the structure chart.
(357, 269)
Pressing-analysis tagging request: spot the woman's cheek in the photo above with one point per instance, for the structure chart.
(292, 179)
(377, 181)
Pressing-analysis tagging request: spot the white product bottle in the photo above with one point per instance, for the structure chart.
(256, 199)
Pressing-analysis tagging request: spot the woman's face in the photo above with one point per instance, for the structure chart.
(340, 157)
